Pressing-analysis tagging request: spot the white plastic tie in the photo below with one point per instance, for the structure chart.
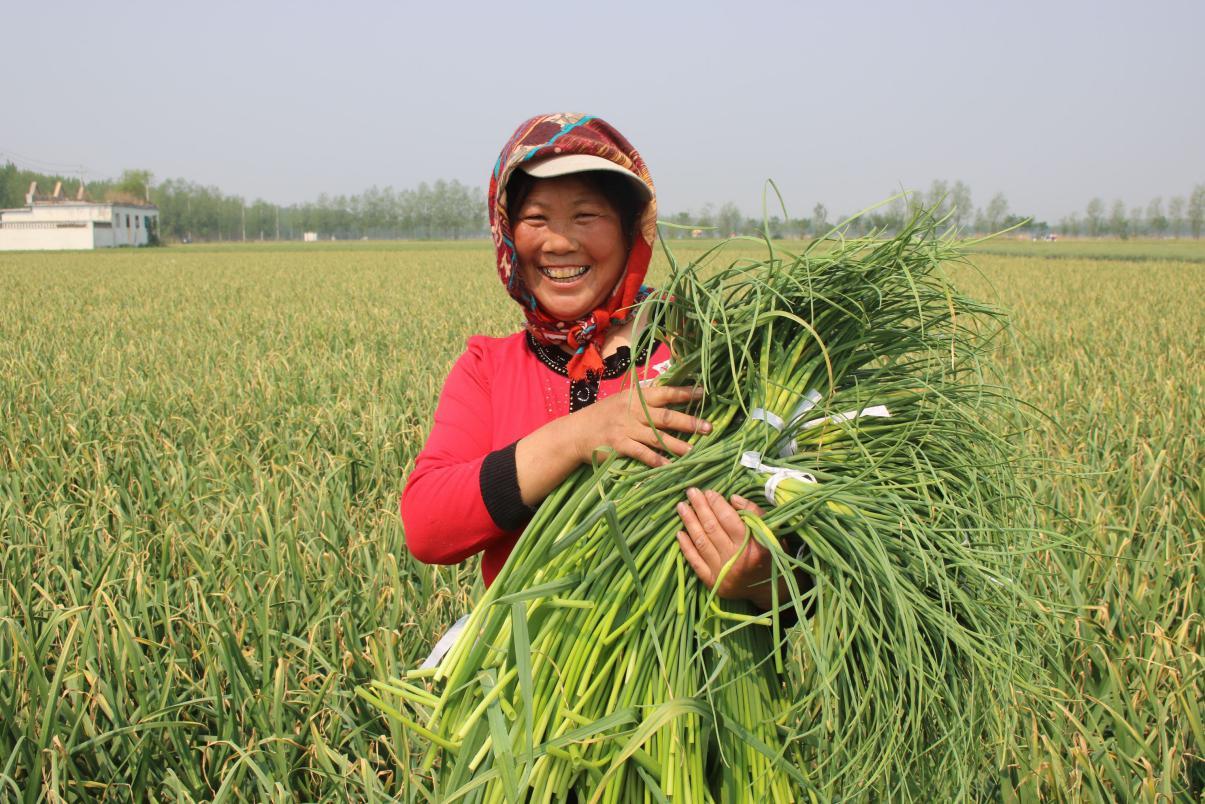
(810, 400)
(444, 644)
(655, 371)
(769, 417)
(879, 411)
(777, 474)
(751, 460)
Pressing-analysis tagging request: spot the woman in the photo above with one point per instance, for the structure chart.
(573, 217)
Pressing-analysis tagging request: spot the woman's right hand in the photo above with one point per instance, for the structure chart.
(550, 454)
(637, 423)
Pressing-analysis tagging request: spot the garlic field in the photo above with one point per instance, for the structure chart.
(201, 558)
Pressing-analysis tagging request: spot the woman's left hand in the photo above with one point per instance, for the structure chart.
(714, 533)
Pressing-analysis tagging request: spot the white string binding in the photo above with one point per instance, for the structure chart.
(879, 411)
(810, 400)
(752, 460)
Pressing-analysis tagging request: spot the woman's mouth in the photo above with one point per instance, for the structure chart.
(563, 273)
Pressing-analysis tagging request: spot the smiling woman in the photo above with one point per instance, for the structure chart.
(573, 217)
(571, 239)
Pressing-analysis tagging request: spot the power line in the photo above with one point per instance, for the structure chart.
(39, 165)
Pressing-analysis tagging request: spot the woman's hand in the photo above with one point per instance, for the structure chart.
(622, 423)
(550, 454)
(714, 534)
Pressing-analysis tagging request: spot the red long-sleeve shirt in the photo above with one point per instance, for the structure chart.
(499, 390)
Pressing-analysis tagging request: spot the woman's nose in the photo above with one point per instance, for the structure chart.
(558, 243)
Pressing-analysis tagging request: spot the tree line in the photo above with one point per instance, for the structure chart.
(189, 211)
(1181, 217)
(443, 210)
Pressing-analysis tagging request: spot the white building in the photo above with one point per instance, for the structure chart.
(58, 222)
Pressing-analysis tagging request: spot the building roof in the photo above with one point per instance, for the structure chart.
(73, 203)
(58, 198)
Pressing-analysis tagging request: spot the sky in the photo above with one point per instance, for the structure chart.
(1051, 103)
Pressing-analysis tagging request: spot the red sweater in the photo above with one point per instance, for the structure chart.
(460, 499)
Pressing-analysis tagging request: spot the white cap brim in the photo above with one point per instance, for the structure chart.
(579, 163)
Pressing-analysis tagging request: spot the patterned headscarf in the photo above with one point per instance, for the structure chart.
(557, 135)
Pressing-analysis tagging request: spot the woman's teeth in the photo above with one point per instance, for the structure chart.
(568, 272)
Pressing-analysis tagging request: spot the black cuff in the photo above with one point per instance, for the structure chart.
(500, 489)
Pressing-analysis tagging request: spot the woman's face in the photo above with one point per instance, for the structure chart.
(570, 245)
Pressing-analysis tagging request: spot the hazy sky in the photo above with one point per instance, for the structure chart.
(1050, 102)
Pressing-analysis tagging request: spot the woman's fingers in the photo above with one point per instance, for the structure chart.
(743, 504)
(703, 538)
(668, 419)
(659, 440)
(696, 561)
(662, 395)
(727, 517)
(714, 534)
(645, 454)
(654, 410)
(721, 524)
(637, 426)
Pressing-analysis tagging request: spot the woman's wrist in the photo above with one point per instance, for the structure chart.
(546, 457)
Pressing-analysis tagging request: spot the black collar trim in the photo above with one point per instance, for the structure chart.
(557, 359)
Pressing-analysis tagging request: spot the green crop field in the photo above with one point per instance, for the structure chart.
(201, 559)
(1137, 250)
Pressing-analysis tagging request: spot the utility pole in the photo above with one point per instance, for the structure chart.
(278, 221)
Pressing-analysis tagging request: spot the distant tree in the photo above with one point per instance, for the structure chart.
(1156, 221)
(207, 213)
(1095, 217)
(408, 212)
(775, 225)
(683, 220)
(960, 200)
(1026, 224)
(373, 210)
(174, 199)
(819, 220)
(1022, 222)
(11, 194)
(996, 212)
(938, 198)
(1175, 215)
(1196, 210)
(134, 185)
(231, 207)
(916, 203)
(895, 213)
(729, 220)
(261, 220)
(1070, 225)
(1117, 220)
(443, 216)
(423, 210)
(1137, 222)
(789, 227)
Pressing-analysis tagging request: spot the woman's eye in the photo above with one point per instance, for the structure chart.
(587, 216)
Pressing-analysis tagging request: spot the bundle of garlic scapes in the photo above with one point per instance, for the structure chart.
(846, 387)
